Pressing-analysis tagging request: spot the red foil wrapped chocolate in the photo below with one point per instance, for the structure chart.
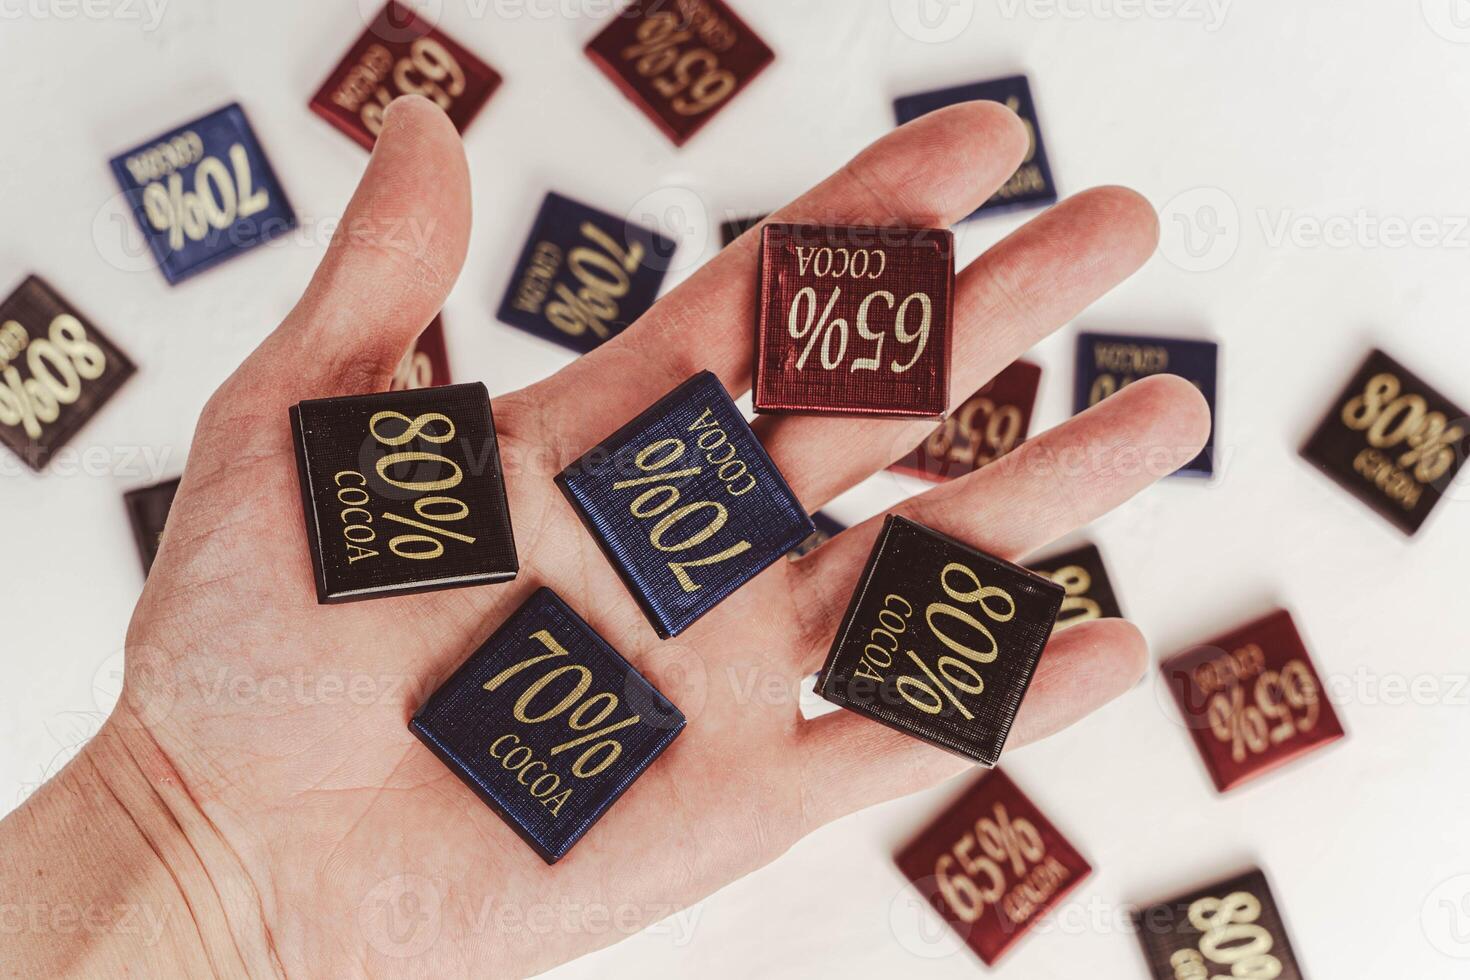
(992, 865)
(1252, 700)
(854, 320)
(402, 54)
(427, 363)
(680, 61)
(990, 423)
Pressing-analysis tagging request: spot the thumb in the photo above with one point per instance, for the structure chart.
(390, 266)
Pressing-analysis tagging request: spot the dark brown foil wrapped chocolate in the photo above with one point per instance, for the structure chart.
(854, 320)
(940, 640)
(680, 62)
(57, 370)
(1392, 441)
(1232, 928)
(992, 865)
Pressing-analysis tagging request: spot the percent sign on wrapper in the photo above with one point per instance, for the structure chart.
(218, 198)
(59, 364)
(444, 509)
(956, 673)
(586, 716)
(1272, 717)
(656, 460)
(980, 881)
(1390, 419)
(820, 325)
(604, 276)
(696, 83)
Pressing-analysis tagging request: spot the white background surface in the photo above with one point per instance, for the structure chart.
(1308, 113)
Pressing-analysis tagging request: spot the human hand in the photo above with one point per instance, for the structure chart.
(285, 827)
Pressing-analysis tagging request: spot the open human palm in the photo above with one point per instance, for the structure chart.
(311, 822)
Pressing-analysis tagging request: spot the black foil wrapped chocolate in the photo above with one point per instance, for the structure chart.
(403, 492)
(940, 640)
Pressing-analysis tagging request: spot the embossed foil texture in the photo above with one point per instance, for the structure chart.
(148, 509)
(1232, 928)
(685, 503)
(989, 424)
(680, 63)
(203, 193)
(57, 370)
(403, 492)
(1031, 186)
(547, 724)
(992, 865)
(854, 320)
(1392, 441)
(401, 53)
(1109, 362)
(584, 275)
(1252, 700)
(940, 640)
(1088, 587)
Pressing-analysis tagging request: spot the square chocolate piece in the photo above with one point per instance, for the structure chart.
(854, 321)
(147, 512)
(685, 503)
(203, 193)
(584, 275)
(827, 529)
(992, 865)
(426, 365)
(57, 370)
(1108, 362)
(1392, 441)
(403, 492)
(680, 63)
(972, 629)
(735, 227)
(547, 724)
(402, 54)
(992, 422)
(1089, 590)
(1031, 186)
(1252, 700)
(1233, 928)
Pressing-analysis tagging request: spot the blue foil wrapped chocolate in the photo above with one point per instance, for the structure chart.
(547, 724)
(1108, 362)
(584, 275)
(685, 503)
(203, 193)
(1031, 186)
